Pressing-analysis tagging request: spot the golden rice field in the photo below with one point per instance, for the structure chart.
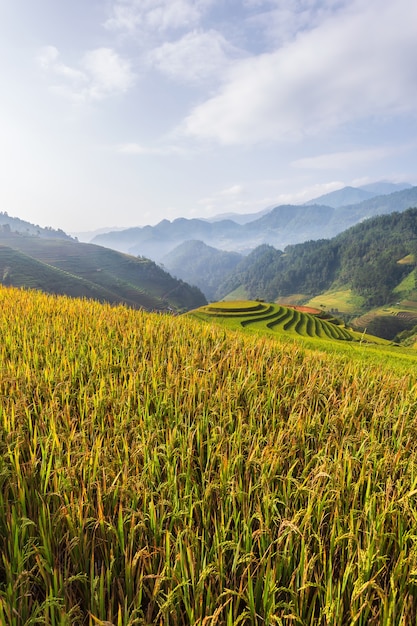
(158, 470)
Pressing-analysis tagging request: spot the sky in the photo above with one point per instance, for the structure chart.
(119, 113)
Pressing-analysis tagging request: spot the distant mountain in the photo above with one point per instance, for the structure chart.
(240, 218)
(353, 195)
(201, 265)
(85, 236)
(288, 223)
(64, 266)
(384, 187)
(342, 197)
(279, 227)
(156, 242)
(335, 199)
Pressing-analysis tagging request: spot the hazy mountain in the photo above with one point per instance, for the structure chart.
(342, 197)
(240, 218)
(279, 227)
(385, 187)
(288, 224)
(157, 241)
(353, 195)
(201, 265)
(10, 224)
(86, 270)
(86, 236)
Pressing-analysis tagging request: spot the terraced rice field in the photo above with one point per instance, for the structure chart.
(277, 317)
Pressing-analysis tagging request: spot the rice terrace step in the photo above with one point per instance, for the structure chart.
(297, 320)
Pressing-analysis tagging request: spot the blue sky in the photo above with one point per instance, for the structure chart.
(126, 112)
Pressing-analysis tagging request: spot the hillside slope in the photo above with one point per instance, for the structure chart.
(364, 258)
(77, 269)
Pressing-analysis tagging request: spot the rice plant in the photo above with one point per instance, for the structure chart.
(157, 470)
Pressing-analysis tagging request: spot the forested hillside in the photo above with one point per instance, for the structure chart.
(365, 257)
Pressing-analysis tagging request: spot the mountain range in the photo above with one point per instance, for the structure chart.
(281, 226)
(353, 195)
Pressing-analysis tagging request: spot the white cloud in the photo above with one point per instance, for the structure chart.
(309, 193)
(196, 57)
(108, 72)
(48, 60)
(158, 15)
(304, 194)
(358, 62)
(101, 73)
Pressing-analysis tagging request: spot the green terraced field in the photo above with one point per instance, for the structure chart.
(279, 318)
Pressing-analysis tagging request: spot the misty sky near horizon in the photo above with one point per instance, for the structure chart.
(126, 112)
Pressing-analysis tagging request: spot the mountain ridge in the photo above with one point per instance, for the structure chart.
(349, 195)
(283, 225)
(10, 224)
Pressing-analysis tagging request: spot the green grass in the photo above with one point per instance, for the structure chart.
(341, 300)
(407, 285)
(282, 314)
